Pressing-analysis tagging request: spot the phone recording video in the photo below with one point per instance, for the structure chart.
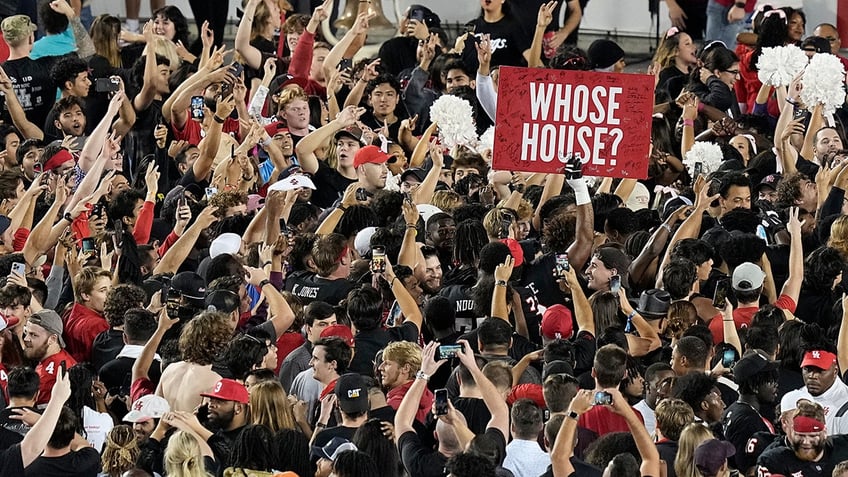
(378, 259)
(562, 266)
(197, 103)
(720, 295)
(441, 402)
(615, 284)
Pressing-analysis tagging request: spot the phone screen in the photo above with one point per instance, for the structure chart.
(562, 266)
(197, 107)
(417, 15)
(88, 244)
(615, 284)
(448, 351)
(720, 296)
(441, 401)
(603, 398)
(378, 259)
(728, 358)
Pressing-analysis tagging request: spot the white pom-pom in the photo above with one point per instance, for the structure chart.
(824, 82)
(455, 118)
(707, 153)
(777, 66)
(487, 140)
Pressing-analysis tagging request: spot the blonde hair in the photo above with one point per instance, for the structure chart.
(183, 457)
(86, 279)
(446, 200)
(690, 438)
(667, 50)
(168, 49)
(105, 32)
(494, 218)
(269, 406)
(404, 353)
(121, 451)
(839, 235)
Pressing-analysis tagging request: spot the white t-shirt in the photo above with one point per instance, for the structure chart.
(831, 400)
(96, 425)
(648, 416)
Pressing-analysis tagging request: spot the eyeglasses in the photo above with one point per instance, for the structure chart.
(733, 72)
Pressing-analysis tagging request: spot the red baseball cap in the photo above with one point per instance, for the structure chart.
(371, 155)
(557, 323)
(819, 358)
(229, 390)
(529, 391)
(339, 331)
(515, 250)
(277, 127)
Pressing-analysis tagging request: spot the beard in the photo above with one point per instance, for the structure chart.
(221, 419)
(808, 454)
(35, 354)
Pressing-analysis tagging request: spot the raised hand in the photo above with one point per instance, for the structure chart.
(207, 36)
(546, 14)
(349, 116)
(504, 270)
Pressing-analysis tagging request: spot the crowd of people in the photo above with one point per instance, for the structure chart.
(269, 258)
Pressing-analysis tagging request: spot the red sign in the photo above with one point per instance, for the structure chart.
(543, 115)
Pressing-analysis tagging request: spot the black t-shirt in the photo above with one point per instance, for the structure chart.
(106, 347)
(369, 342)
(477, 415)
(398, 54)
(740, 421)
(11, 461)
(12, 431)
(33, 86)
(463, 305)
(310, 287)
(668, 453)
(509, 41)
(82, 463)
(581, 469)
(782, 460)
(418, 459)
(329, 185)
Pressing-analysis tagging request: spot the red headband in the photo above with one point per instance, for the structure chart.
(804, 424)
(58, 159)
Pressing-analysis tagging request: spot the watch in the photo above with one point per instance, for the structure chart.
(422, 375)
(574, 415)
(500, 283)
(739, 4)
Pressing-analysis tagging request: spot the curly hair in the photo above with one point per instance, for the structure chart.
(269, 406)
(226, 199)
(120, 299)
(559, 232)
(469, 240)
(296, 23)
(204, 337)
(121, 450)
(66, 70)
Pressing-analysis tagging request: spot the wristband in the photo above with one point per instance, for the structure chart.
(266, 263)
(264, 282)
(422, 375)
(500, 283)
(689, 122)
(739, 4)
(666, 226)
(631, 315)
(68, 217)
(700, 107)
(217, 119)
(320, 425)
(342, 208)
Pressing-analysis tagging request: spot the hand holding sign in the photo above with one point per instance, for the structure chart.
(573, 166)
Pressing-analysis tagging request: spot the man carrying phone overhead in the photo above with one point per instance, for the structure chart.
(43, 343)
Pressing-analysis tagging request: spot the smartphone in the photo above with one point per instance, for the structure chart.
(236, 69)
(97, 209)
(799, 113)
(166, 287)
(720, 295)
(615, 284)
(417, 15)
(699, 169)
(603, 398)
(361, 194)
(210, 191)
(88, 244)
(378, 259)
(19, 268)
(562, 266)
(506, 223)
(448, 351)
(119, 233)
(346, 64)
(197, 103)
(106, 85)
(172, 304)
(441, 400)
(63, 365)
(728, 358)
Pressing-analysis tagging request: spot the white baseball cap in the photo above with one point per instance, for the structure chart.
(147, 407)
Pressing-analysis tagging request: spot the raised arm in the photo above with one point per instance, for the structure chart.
(39, 434)
(494, 402)
(563, 446)
(251, 55)
(792, 286)
(209, 145)
(145, 97)
(409, 250)
(334, 57)
(648, 339)
(85, 47)
(16, 111)
(279, 310)
(94, 143)
(148, 352)
(316, 139)
(647, 449)
(126, 111)
(178, 252)
(582, 308)
(407, 304)
(500, 306)
(420, 151)
(544, 18)
(424, 193)
(552, 187)
(408, 408)
(584, 240)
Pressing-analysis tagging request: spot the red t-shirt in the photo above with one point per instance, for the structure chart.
(286, 343)
(742, 317)
(141, 387)
(395, 397)
(191, 131)
(47, 370)
(81, 327)
(601, 421)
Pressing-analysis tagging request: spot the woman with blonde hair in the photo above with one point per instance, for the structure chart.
(184, 456)
(692, 435)
(839, 236)
(121, 451)
(675, 57)
(270, 406)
